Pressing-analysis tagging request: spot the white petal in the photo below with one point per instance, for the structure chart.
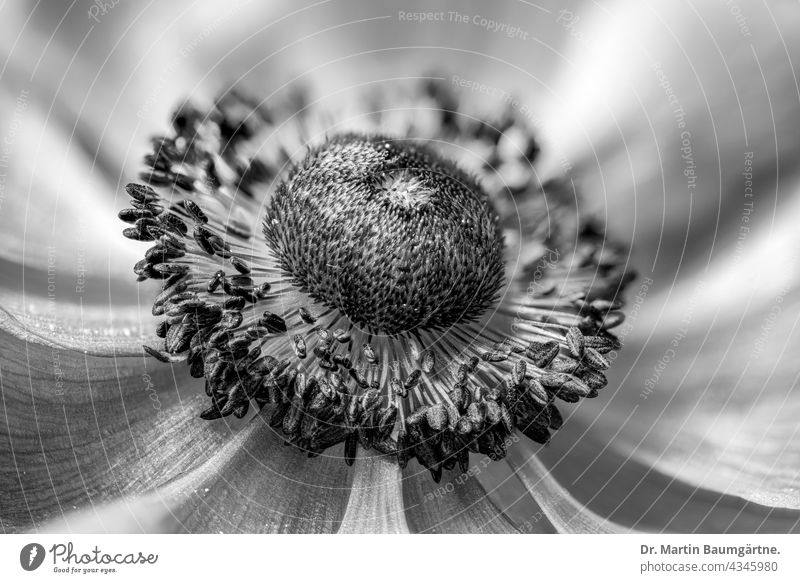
(258, 484)
(58, 209)
(93, 330)
(376, 498)
(632, 493)
(81, 430)
(164, 510)
(513, 498)
(716, 406)
(562, 510)
(148, 513)
(650, 78)
(251, 484)
(456, 505)
(746, 277)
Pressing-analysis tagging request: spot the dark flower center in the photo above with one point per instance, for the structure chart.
(389, 233)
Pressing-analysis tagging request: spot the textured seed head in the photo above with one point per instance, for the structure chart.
(388, 232)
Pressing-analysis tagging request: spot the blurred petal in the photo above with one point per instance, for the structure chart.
(82, 103)
(763, 266)
(653, 94)
(66, 277)
(56, 211)
(376, 498)
(138, 514)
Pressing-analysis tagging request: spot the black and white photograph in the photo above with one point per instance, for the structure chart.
(400, 267)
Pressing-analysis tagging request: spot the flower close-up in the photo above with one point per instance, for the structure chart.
(340, 267)
(383, 309)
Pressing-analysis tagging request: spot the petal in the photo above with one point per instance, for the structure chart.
(562, 510)
(75, 304)
(513, 498)
(376, 498)
(633, 494)
(81, 110)
(457, 505)
(162, 510)
(257, 484)
(149, 513)
(714, 406)
(762, 268)
(93, 330)
(81, 430)
(251, 484)
(630, 97)
(58, 211)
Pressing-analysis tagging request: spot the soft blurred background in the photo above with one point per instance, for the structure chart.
(679, 120)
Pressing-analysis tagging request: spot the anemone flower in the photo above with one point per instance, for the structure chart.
(462, 268)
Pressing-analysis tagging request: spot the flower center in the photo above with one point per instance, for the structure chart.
(389, 233)
(385, 244)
